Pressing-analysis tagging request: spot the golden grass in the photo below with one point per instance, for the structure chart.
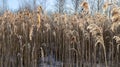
(26, 37)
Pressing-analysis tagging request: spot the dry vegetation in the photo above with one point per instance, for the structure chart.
(78, 40)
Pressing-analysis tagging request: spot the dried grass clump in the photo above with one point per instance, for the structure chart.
(95, 30)
(97, 33)
(100, 20)
(115, 20)
(115, 14)
(28, 36)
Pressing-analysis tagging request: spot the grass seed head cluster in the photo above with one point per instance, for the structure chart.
(23, 34)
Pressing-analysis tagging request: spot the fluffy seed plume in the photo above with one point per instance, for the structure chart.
(115, 13)
(95, 30)
(85, 7)
(117, 39)
(105, 6)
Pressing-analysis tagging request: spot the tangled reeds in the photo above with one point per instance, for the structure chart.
(29, 38)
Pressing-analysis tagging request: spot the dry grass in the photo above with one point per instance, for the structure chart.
(27, 37)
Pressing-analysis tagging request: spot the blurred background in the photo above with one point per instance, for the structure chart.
(66, 6)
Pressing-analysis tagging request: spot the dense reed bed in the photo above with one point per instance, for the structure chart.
(35, 39)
